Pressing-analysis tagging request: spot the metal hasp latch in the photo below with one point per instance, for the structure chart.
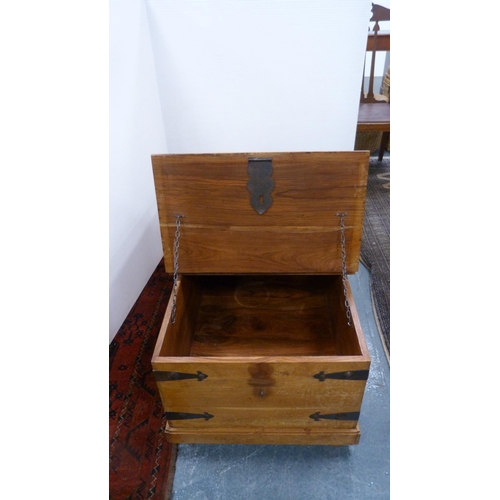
(260, 185)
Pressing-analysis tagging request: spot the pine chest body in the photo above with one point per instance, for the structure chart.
(261, 341)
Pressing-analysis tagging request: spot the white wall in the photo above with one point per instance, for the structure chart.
(250, 75)
(219, 76)
(136, 131)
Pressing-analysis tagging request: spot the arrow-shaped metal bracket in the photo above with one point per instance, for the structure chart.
(350, 375)
(169, 376)
(172, 415)
(336, 416)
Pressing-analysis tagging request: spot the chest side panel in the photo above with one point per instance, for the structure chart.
(222, 233)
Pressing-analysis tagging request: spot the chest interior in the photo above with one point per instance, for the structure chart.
(261, 315)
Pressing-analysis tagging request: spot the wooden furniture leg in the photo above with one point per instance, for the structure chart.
(383, 144)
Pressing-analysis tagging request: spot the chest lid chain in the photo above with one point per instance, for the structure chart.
(176, 264)
(344, 266)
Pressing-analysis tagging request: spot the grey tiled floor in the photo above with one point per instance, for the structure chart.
(226, 472)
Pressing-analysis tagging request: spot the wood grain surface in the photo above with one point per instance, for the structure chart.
(260, 304)
(265, 435)
(261, 315)
(258, 341)
(222, 234)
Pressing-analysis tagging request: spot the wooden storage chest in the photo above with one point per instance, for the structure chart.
(261, 341)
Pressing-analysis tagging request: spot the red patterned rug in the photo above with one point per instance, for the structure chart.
(141, 461)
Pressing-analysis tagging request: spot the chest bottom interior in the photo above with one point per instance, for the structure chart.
(264, 315)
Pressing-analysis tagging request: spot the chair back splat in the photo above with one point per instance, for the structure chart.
(374, 122)
(375, 43)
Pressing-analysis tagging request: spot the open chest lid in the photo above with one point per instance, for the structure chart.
(260, 213)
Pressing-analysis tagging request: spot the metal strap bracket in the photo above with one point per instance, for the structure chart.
(353, 415)
(175, 415)
(161, 376)
(349, 375)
